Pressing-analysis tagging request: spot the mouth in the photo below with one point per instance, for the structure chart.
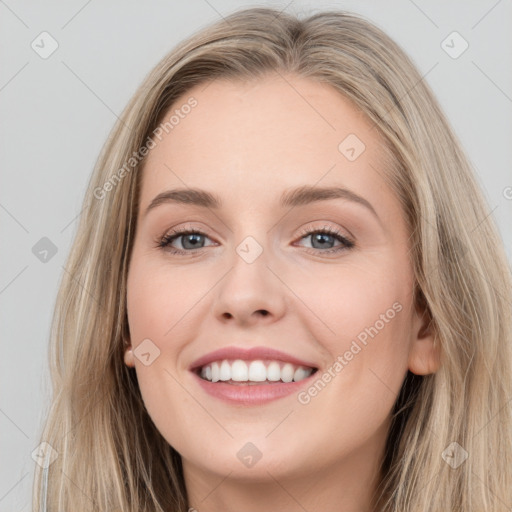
(251, 376)
(239, 372)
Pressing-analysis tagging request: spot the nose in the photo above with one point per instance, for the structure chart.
(249, 293)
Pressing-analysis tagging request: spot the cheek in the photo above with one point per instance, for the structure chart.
(367, 313)
(150, 317)
(156, 299)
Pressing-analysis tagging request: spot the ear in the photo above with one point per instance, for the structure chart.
(425, 352)
(128, 355)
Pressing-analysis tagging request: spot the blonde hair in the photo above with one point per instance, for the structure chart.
(110, 454)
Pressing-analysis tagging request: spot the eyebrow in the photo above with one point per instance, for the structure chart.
(299, 196)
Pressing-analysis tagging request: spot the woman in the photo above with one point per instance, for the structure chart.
(285, 292)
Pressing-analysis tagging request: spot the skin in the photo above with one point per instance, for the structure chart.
(247, 142)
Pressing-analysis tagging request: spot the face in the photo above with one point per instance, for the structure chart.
(323, 279)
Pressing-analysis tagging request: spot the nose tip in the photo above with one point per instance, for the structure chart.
(248, 293)
(261, 312)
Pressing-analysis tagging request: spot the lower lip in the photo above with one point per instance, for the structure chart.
(251, 394)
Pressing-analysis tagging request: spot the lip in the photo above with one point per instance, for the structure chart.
(248, 354)
(250, 394)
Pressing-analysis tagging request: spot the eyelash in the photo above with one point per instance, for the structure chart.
(167, 239)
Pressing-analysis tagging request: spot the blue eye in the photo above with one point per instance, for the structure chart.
(324, 238)
(193, 240)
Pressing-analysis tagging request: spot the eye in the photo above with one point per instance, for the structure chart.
(324, 239)
(191, 239)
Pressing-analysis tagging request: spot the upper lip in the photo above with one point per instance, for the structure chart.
(248, 354)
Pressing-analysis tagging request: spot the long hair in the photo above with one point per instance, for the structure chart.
(449, 446)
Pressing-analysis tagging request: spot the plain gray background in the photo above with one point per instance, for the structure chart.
(57, 112)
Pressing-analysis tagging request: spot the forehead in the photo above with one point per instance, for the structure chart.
(251, 139)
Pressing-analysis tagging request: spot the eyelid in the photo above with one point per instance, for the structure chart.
(327, 229)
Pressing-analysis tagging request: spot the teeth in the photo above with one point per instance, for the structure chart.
(300, 373)
(239, 372)
(287, 372)
(215, 372)
(255, 371)
(225, 371)
(274, 371)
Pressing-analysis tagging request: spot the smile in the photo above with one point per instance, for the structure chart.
(253, 372)
(251, 376)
